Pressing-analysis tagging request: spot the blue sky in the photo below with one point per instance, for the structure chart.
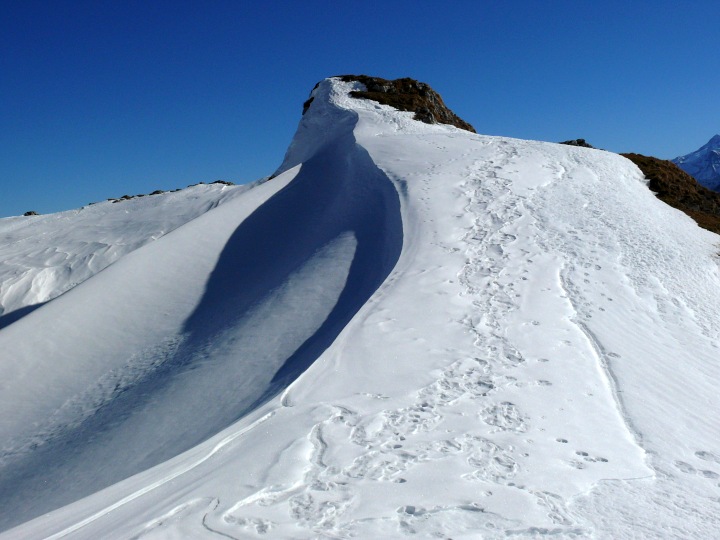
(104, 98)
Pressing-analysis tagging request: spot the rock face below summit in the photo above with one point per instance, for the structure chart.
(408, 95)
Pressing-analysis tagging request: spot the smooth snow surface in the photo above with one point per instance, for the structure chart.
(483, 337)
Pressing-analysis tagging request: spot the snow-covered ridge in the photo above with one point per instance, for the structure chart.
(129, 357)
(494, 337)
(41, 257)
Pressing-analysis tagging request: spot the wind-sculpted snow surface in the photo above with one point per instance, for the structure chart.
(542, 359)
(287, 280)
(41, 257)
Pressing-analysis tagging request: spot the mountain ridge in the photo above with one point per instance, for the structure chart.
(703, 164)
(539, 355)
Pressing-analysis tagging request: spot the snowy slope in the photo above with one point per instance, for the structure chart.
(532, 350)
(703, 164)
(41, 257)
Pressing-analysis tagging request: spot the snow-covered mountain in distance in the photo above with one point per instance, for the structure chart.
(703, 164)
(410, 330)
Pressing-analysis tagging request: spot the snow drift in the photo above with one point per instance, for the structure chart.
(410, 330)
(138, 377)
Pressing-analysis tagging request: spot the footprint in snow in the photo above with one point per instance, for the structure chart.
(587, 457)
(707, 456)
(685, 467)
(504, 416)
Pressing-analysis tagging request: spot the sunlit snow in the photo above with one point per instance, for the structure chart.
(410, 330)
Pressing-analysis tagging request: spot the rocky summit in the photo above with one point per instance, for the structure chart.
(406, 94)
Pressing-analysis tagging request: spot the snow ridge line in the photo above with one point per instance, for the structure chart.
(32, 277)
(603, 359)
(603, 355)
(137, 494)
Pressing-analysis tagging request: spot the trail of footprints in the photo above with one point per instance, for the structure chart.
(386, 447)
(705, 473)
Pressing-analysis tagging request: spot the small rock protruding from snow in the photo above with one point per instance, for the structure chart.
(578, 142)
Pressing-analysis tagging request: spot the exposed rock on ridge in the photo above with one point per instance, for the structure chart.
(578, 142)
(406, 95)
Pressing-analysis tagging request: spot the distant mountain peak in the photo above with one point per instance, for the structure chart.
(703, 164)
(405, 94)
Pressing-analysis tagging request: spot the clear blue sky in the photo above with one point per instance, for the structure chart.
(102, 98)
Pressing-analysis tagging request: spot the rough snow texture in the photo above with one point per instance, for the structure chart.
(542, 359)
(41, 257)
(703, 164)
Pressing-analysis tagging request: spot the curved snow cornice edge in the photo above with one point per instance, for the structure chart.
(332, 110)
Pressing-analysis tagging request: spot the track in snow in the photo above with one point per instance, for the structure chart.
(288, 280)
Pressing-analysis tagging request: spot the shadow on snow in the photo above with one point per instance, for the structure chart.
(227, 363)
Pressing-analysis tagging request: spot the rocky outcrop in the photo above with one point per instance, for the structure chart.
(578, 142)
(677, 188)
(406, 95)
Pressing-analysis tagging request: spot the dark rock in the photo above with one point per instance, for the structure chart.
(224, 182)
(408, 95)
(578, 142)
(157, 192)
(31, 213)
(306, 105)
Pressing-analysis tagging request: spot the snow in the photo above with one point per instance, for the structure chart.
(703, 164)
(41, 257)
(411, 330)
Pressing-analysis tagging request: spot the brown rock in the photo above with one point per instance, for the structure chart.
(407, 95)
